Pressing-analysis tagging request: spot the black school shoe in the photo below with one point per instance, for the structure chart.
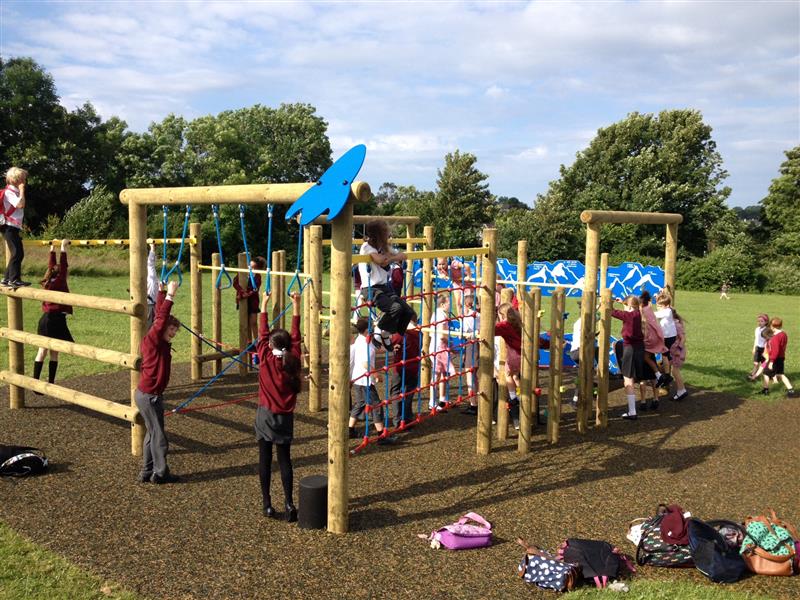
(291, 513)
(665, 380)
(269, 512)
(470, 410)
(162, 479)
(18, 283)
(679, 397)
(628, 417)
(790, 393)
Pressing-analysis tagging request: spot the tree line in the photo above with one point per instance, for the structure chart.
(665, 162)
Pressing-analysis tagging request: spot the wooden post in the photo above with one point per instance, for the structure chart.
(502, 381)
(307, 297)
(603, 270)
(486, 353)
(216, 312)
(196, 279)
(282, 285)
(137, 226)
(16, 350)
(410, 233)
(314, 327)
(537, 331)
(427, 311)
(556, 362)
(339, 372)
(244, 318)
(586, 367)
(526, 357)
(601, 416)
(670, 258)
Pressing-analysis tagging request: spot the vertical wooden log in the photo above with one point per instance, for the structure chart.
(427, 311)
(314, 327)
(283, 283)
(244, 323)
(526, 364)
(137, 226)
(537, 331)
(216, 311)
(307, 297)
(556, 363)
(16, 350)
(486, 353)
(339, 378)
(670, 258)
(502, 381)
(604, 339)
(196, 280)
(410, 233)
(603, 270)
(586, 367)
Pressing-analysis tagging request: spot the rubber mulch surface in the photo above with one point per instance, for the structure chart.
(204, 537)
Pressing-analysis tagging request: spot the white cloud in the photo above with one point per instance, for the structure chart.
(496, 92)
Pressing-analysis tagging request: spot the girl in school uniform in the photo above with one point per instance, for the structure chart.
(53, 322)
(439, 349)
(249, 294)
(758, 346)
(632, 364)
(278, 386)
(509, 327)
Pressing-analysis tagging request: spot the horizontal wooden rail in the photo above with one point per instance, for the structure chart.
(446, 253)
(94, 302)
(398, 241)
(259, 193)
(364, 219)
(112, 357)
(218, 355)
(255, 271)
(121, 242)
(620, 216)
(101, 405)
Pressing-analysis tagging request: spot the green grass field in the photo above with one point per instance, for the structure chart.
(719, 342)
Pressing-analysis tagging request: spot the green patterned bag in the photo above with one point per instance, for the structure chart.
(769, 547)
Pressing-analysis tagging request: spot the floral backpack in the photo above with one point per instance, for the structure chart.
(769, 546)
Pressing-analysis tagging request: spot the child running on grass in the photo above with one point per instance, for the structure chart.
(13, 211)
(776, 347)
(758, 346)
(53, 323)
(249, 294)
(278, 386)
(509, 327)
(632, 364)
(156, 352)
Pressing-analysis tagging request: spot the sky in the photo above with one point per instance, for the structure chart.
(523, 86)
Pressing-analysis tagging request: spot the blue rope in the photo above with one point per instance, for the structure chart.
(246, 251)
(268, 282)
(223, 272)
(177, 266)
(296, 279)
(209, 343)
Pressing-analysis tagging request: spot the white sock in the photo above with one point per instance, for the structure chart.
(512, 396)
(680, 392)
(575, 398)
(631, 404)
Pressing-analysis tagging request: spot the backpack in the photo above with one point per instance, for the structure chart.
(356, 278)
(768, 547)
(546, 570)
(674, 527)
(18, 461)
(597, 560)
(653, 550)
(397, 278)
(462, 535)
(715, 549)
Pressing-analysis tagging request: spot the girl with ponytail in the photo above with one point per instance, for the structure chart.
(278, 385)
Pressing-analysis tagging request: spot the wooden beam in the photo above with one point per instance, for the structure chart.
(259, 193)
(432, 254)
(314, 328)
(393, 241)
(556, 362)
(526, 356)
(117, 242)
(216, 312)
(428, 310)
(101, 405)
(76, 300)
(604, 340)
(16, 350)
(196, 292)
(410, 241)
(112, 357)
(670, 258)
(244, 317)
(640, 218)
(486, 354)
(586, 365)
(137, 232)
(364, 219)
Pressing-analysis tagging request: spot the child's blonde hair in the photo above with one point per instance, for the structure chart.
(443, 299)
(16, 175)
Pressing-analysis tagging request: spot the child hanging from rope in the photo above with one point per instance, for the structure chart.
(278, 386)
(439, 348)
(375, 280)
(509, 327)
(250, 294)
(156, 352)
(53, 323)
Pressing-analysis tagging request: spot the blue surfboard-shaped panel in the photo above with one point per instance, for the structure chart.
(330, 193)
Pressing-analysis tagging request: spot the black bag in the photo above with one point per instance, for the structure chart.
(716, 555)
(597, 560)
(19, 461)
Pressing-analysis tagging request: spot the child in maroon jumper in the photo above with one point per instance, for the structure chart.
(154, 372)
(53, 322)
(509, 327)
(632, 364)
(776, 349)
(250, 294)
(278, 386)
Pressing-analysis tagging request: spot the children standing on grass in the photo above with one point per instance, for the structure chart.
(278, 386)
(509, 327)
(249, 294)
(363, 389)
(53, 323)
(632, 364)
(758, 346)
(776, 348)
(155, 368)
(12, 212)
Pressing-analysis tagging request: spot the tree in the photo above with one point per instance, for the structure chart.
(650, 163)
(782, 206)
(505, 203)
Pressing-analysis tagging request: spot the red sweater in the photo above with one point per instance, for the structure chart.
(274, 385)
(156, 353)
(57, 284)
(510, 336)
(250, 293)
(776, 345)
(631, 326)
(412, 352)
